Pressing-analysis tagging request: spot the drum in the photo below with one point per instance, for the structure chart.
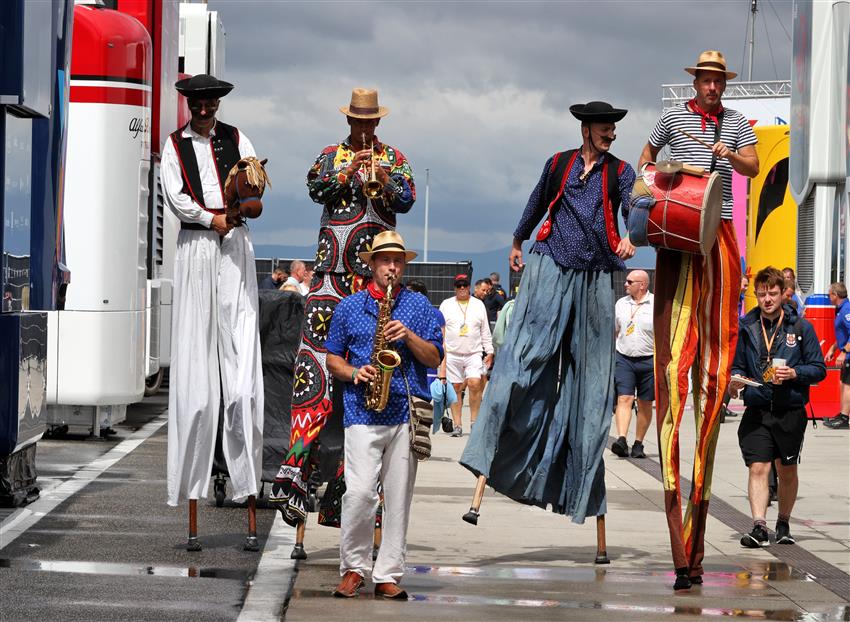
(686, 212)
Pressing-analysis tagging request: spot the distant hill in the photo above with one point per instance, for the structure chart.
(482, 263)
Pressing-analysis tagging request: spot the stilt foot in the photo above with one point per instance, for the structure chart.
(298, 552)
(471, 517)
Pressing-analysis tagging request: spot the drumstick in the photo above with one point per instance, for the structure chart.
(692, 137)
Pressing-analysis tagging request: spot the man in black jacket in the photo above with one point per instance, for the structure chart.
(779, 350)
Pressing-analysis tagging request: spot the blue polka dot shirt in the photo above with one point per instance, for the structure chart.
(578, 239)
(352, 335)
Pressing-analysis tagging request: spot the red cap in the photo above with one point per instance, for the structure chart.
(462, 278)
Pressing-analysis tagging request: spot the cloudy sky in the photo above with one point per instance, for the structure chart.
(478, 91)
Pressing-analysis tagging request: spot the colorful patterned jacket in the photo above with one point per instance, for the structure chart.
(350, 221)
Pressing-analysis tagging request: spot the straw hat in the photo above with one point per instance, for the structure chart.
(364, 105)
(711, 60)
(387, 242)
(203, 86)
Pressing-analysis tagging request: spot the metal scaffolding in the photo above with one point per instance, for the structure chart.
(672, 94)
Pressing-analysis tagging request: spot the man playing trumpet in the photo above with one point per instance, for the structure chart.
(352, 217)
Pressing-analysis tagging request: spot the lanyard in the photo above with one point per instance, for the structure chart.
(463, 309)
(769, 342)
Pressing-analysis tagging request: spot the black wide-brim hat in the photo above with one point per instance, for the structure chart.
(597, 112)
(203, 86)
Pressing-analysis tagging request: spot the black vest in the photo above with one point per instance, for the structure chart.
(225, 147)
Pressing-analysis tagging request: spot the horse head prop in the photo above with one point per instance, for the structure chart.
(244, 189)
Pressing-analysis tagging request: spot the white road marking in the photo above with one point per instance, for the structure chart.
(18, 522)
(275, 576)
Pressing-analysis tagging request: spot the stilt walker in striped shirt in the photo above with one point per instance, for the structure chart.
(696, 298)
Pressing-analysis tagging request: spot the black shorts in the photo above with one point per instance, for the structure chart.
(635, 372)
(845, 370)
(764, 436)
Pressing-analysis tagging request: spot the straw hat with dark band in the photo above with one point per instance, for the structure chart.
(711, 60)
(387, 242)
(203, 86)
(364, 105)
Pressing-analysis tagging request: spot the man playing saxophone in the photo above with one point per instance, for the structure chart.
(384, 316)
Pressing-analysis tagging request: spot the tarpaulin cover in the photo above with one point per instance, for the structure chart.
(281, 314)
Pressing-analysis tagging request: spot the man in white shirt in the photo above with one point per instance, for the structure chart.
(296, 275)
(467, 336)
(215, 356)
(633, 370)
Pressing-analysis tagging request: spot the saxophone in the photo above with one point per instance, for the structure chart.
(383, 359)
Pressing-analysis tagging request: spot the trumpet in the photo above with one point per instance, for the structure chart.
(372, 188)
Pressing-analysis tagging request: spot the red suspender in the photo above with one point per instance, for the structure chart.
(546, 227)
(609, 210)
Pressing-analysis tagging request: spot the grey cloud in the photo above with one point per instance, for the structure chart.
(479, 91)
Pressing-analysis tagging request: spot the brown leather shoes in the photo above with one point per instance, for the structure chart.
(347, 588)
(390, 591)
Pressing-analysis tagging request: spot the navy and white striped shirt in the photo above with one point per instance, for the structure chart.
(735, 132)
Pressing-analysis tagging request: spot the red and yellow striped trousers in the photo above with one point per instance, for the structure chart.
(696, 315)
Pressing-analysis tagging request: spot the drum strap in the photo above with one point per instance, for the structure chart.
(717, 127)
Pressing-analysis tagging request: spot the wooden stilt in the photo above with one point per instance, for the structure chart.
(601, 548)
(298, 551)
(251, 542)
(376, 546)
(471, 517)
(193, 544)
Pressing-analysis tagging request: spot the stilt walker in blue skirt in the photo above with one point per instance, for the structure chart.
(545, 417)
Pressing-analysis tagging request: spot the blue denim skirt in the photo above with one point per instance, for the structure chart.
(546, 413)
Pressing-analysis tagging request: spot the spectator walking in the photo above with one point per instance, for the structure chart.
(495, 282)
(780, 350)
(467, 336)
(791, 282)
(838, 298)
(274, 280)
(494, 299)
(633, 366)
(297, 270)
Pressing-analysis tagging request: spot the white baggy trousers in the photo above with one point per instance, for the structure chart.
(215, 354)
(374, 452)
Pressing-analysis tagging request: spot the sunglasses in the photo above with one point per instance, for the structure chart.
(461, 285)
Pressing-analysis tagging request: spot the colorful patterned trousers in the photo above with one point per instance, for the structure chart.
(311, 394)
(696, 325)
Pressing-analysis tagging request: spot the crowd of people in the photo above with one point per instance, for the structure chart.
(542, 373)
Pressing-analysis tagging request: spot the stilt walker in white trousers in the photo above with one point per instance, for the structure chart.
(215, 362)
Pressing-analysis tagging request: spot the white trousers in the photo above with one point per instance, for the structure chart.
(373, 452)
(215, 354)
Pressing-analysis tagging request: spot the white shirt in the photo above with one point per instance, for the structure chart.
(639, 339)
(182, 204)
(473, 315)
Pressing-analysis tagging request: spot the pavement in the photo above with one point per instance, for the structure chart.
(101, 544)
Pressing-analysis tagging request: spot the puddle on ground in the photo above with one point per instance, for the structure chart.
(780, 615)
(753, 575)
(110, 568)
